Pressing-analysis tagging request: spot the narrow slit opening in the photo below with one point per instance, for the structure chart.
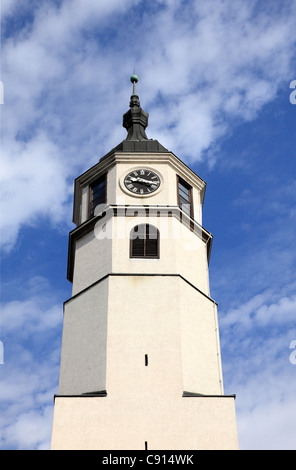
(146, 360)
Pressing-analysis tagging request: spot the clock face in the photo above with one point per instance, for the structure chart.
(142, 182)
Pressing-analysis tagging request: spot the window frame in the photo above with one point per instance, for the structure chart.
(91, 209)
(181, 181)
(145, 256)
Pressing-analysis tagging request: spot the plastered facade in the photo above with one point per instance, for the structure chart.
(121, 422)
(106, 249)
(141, 332)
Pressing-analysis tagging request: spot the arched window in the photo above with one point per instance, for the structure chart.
(144, 242)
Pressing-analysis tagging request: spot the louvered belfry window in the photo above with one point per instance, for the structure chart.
(97, 194)
(185, 197)
(144, 242)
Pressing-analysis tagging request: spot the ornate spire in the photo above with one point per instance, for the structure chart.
(135, 120)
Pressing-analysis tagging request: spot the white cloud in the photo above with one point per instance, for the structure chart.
(209, 62)
(35, 314)
(18, 314)
(8, 7)
(265, 403)
(26, 404)
(203, 66)
(31, 334)
(33, 183)
(255, 342)
(31, 430)
(272, 426)
(258, 312)
(227, 61)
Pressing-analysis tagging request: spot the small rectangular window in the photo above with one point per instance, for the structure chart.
(97, 194)
(185, 196)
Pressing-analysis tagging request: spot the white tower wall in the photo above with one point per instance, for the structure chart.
(140, 359)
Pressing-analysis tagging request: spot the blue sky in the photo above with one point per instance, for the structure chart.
(215, 78)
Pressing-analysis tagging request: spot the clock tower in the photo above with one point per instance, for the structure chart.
(140, 360)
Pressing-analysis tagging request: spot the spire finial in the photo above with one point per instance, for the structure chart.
(136, 119)
(134, 80)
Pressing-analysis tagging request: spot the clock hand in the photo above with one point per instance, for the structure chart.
(142, 180)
